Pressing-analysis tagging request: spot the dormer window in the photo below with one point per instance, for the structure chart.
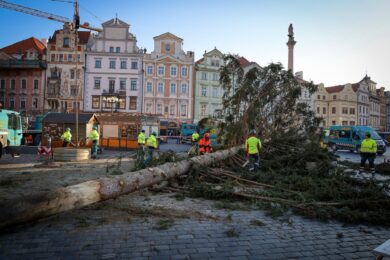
(66, 42)
(167, 47)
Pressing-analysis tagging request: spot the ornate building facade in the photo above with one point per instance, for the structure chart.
(65, 70)
(208, 92)
(113, 78)
(169, 81)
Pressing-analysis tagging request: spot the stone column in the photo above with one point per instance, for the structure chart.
(291, 43)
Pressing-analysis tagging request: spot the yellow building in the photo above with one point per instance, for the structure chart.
(337, 105)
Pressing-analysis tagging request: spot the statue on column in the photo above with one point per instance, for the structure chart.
(291, 31)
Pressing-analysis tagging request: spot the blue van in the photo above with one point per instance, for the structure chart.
(350, 138)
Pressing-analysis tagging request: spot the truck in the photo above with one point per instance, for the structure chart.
(351, 137)
(206, 125)
(186, 131)
(32, 130)
(10, 132)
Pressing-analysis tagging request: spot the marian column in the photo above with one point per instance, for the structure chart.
(291, 43)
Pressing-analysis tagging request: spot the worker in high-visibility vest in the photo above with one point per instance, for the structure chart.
(94, 136)
(205, 144)
(141, 139)
(368, 149)
(252, 147)
(66, 137)
(151, 143)
(195, 138)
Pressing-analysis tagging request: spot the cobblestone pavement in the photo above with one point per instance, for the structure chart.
(162, 227)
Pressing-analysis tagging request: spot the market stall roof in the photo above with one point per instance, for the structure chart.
(68, 118)
(124, 118)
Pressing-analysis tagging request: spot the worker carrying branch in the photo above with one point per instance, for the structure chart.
(252, 147)
(205, 144)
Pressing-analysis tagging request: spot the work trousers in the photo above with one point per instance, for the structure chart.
(149, 156)
(65, 143)
(367, 156)
(94, 148)
(254, 162)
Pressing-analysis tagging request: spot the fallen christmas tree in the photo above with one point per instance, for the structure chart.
(295, 172)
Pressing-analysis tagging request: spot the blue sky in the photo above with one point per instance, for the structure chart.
(338, 41)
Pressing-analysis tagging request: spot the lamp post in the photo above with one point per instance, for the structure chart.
(112, 100)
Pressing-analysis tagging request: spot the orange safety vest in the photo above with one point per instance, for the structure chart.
(205, 146)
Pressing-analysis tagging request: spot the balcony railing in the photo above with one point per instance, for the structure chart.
(22, 64)
(53, 95)
(111, 92)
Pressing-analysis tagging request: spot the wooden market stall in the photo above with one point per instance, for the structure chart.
(54, 125)
(120, 130)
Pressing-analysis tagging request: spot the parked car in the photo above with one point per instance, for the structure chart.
(351, 137)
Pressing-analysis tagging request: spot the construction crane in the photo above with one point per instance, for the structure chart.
(58, 18)
(76, 24)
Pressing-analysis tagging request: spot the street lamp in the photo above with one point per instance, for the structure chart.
(112, 100)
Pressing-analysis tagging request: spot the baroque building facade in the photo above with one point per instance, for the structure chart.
(169, 82)
(337, 105)
(113, 77)
(22, 77)
(208, 91)
(65, 73)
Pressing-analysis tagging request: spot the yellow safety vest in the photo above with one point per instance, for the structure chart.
(141, 138)
(66, 136)
(368, 146)
(252, 142)
(152, 141)
(94, 135)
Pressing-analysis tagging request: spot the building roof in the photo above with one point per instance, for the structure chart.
(67, 118)
(368, 79)
(355, 86)
(334, 89)
(119, 117)
(199, 61)
(243, 62)
(115, 22)
(83, 37)
(22, 46)
(167, 35)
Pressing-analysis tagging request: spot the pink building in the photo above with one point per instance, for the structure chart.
(22, 76)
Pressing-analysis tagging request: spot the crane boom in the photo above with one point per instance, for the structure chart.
(32, 11)
(35, 12)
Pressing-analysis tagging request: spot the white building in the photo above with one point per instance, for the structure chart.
(113, 77)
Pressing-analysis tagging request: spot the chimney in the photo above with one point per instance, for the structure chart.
(291, 43)
(44, 41)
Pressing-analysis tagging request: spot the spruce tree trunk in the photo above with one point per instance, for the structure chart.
(36, 206)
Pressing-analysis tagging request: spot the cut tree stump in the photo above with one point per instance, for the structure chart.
(36, 206)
